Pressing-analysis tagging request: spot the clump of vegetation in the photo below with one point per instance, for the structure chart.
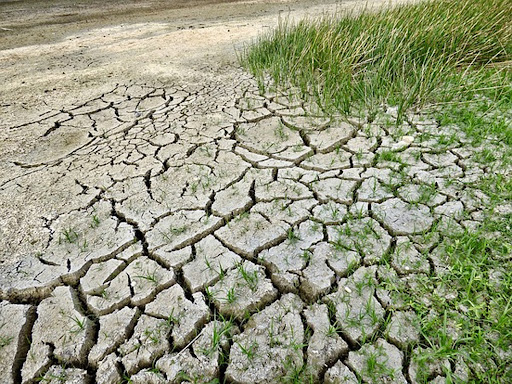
(405, 56)
(451, 60)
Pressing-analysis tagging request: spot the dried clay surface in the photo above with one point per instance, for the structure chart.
(164, 221)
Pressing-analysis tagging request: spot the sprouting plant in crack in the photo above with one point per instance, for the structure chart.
(126, 379)
(222, 272)
(306, 255)
(292, 236)
(153, 335)
(426, 193)
(249, 349)
(316, 227)
(83, 245)
(296, 345)
(231, 295)
(359, 155)
(390, 156)
(280, 133)
(376, 369)
(5, 341)
(149, 276)
(273, 340)
(297, 148)
(68, 235)
(172, 232)
(295, 373)
(79, 324)
(210, 295)
(242, 216)
(221, 331)
(251, 278)
(50, 377)
(332, 330)
(371, 311)
(171, 319)
(155, 370)
(95, 221)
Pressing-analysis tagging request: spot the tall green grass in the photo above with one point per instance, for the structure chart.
(405, 56)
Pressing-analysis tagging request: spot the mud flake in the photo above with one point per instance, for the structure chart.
(186, 316)
(402, 218)
(243, 290)
(60, 329)
(272, 341)
(149, 341)
(112, 332)
(357, 310)
(212, 260)
(380, 362)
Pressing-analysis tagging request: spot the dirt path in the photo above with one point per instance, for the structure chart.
(163, 221)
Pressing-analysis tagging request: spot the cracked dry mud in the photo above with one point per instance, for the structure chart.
(213, 221)
(192, 232)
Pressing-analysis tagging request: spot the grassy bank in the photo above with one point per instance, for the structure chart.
(453, 60)
(431, 52)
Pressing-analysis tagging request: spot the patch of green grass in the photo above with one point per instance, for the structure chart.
(474, 322)
(408, 55)
(5, 341)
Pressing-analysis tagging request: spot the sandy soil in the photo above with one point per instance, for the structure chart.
(58, 50)
(55, 50)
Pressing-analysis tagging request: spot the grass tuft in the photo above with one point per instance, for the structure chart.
(405, 56)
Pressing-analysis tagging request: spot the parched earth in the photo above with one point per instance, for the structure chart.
(187, 231)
